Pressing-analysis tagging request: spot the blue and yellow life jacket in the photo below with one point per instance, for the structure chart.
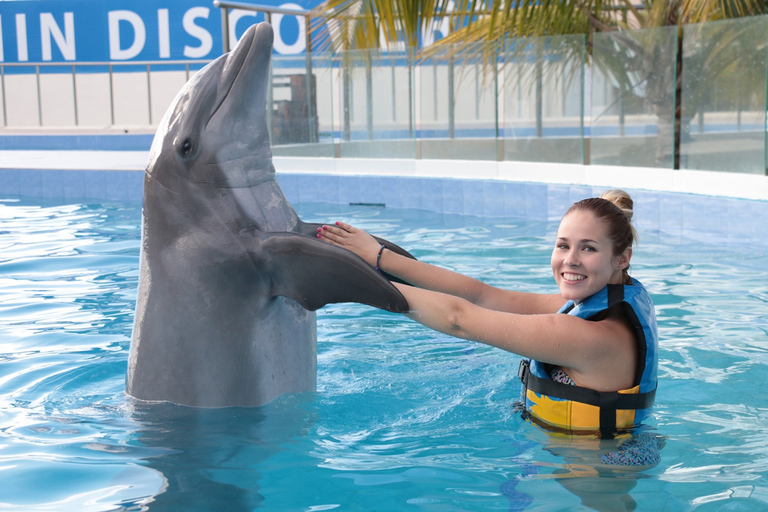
(575, 408)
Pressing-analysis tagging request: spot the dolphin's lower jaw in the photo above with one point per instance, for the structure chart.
(228, 179)
(244, 172)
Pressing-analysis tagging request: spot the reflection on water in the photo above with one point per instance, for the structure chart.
(211, 459)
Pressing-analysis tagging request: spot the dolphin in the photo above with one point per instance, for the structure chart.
(229, 276)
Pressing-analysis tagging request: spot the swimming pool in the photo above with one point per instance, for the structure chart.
(403, 418)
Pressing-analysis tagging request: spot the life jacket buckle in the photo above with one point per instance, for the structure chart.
(523, 370)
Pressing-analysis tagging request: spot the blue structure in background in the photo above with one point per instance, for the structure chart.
(129, 30)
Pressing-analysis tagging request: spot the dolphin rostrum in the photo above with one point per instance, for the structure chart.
(229, 275)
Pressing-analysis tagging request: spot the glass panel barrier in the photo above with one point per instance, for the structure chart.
(376, 106)
(724, 96)
(457, 107)
(302, 109)
(543, 106)
(633, 98)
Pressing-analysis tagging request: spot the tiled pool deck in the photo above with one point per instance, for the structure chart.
(716, 207)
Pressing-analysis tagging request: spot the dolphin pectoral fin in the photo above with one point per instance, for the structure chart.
(308, 228)
(315, 273)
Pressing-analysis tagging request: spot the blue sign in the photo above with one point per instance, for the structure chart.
(133, 30)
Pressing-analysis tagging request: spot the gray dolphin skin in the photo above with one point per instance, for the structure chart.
(229, 275)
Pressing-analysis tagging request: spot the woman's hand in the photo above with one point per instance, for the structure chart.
(352, 238)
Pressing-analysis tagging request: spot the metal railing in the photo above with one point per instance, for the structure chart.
(39, 68)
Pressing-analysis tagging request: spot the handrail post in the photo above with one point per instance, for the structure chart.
(5, 106)
(411, 99)
(74, 94)
(392, 67)
(313, 136)
(39, 98)
(345, 95)
(539, 94)
(369, 94)
(496, 56)
(622, 110)
(477, 91)
(149, 94)
(451, 101)
(225, 29)
(111, 97)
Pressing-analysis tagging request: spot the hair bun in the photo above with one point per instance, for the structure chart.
(621, 200)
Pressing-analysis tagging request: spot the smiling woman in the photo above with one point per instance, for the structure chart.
(592, 347)
(594, 245)
(583, 260)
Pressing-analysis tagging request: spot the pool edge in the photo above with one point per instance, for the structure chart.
(708, 183)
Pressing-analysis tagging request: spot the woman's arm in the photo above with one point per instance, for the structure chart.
(431, 277)
(600, 355)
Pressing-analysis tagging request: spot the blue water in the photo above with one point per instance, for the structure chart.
(403, 418)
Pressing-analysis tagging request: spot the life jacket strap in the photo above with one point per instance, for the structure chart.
(607, 402)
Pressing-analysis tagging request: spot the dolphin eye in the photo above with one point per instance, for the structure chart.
(186, 147)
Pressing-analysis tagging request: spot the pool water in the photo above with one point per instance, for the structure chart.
(403, 418)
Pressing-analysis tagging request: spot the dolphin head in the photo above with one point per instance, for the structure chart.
(215, 134)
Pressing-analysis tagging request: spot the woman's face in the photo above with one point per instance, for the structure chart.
(582, 260)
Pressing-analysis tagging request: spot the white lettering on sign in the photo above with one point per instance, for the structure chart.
(163, 34)
(128, 32)
(206, 40)
(65, 41)
(21, 37)
(301, 41)
(139, 35)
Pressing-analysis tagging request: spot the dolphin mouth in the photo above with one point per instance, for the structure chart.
(254, 39)
(239, 182)
(241, 175)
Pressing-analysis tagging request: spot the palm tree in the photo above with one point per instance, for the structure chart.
(484, 26)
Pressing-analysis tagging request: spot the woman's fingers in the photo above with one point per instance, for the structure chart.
(336, 232)
(349, 237)
(334, 235)
(324, 234)
(346, 227)
(329, 233)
